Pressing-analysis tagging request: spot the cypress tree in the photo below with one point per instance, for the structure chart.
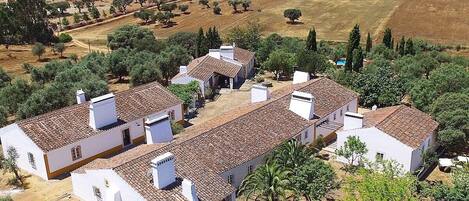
(397, 47)
(392, 43)
(216, 38)
(409, 48)
(402, 46)
(387, 38)
(311, 40)
(357, 59)
(209, 36)
(353, 43)
(369, 43)
(201, 44)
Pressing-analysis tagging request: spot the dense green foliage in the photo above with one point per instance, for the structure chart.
(292, 14)
(353, 151)
(353, 43)
(133, 37)
(290, 171)
(311, 41)
(4, 78)
(24, 21)
(185, 92)
(247, 37)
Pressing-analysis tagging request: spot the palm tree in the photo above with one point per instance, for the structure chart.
(269, 182)
(292, 154)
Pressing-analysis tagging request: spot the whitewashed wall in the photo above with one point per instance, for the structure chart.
(61, 157)
(417, 153)
(378, 141)
(241, 171)
(13, 136)
(339, 117)
(83, 185)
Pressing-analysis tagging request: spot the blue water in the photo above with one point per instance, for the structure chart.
(340, 62)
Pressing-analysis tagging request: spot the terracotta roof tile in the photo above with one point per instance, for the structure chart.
(204, 68)
(243, 56)
(205, 151)
(71, 124)
(408, 125)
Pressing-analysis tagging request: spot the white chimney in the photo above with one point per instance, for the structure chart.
(163, 170)
(103, 111)
(80, 96)
(375, 107)
(259, 93)
(352, 121)
(182, 69)
(215, 53)
(300, 77)
(158, 130)
(227, 52)
(302, 104)
(188, 190)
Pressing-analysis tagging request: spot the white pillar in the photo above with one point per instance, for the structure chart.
(231, 83)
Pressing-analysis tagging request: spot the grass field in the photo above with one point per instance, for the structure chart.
(439, 21)
(332, 19)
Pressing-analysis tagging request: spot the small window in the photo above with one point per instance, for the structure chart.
(172, 115)
(379, 156)
(341, 113)
(76, 152)
(335, 116)
(230, 179)
(348, 108)
(306, 134)
(250, 168)
(31, 160)
(97, 193)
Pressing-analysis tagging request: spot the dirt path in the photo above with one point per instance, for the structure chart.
(89, 47)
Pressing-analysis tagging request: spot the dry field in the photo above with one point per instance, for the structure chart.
(332, 19)
(440, 21)
(12, 59)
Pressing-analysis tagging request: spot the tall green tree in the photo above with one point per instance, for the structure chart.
(358, 59)
(201, 44)
(313, 180)
(369, 43)
(31, 20)
(387, 38)
(247, 37)
(133, 37)
(268, 182)
(311, 40)
(145, 73)
(402, 46)
(291, 155)
(280, 62)
(171, 59)
(311, 62)
(14, 94)
(409, 48)
(353, 43)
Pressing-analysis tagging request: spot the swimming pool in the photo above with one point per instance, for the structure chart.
(340, 62)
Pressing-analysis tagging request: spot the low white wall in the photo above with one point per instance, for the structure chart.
(13, 136)
(83, 185)
(378, 141)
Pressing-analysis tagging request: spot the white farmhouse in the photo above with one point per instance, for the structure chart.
(60, 141)
(209, 161)
(397, 133)
(226, 67)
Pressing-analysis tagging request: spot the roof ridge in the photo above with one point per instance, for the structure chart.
(398, 107)
(183, 141)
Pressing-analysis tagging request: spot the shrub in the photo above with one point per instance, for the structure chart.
(65, 38)
(176, 128)
(217, 10)
(27, 67)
